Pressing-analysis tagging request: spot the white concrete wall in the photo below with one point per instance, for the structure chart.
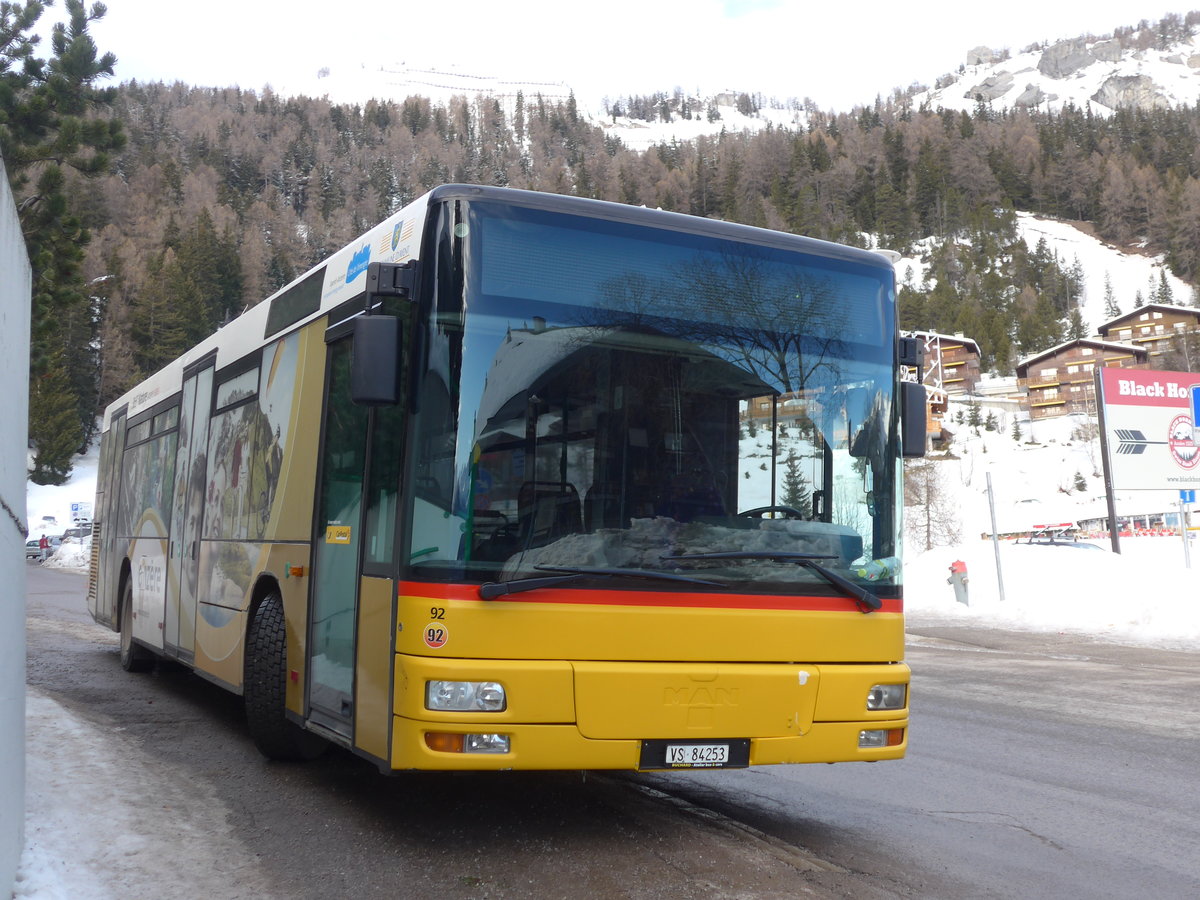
(14, 376)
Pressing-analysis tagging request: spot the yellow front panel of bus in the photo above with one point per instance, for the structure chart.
(589, 676)
(694, 702)
(634, 628)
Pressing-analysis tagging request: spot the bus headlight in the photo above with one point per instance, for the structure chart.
(465, 696)
(883, 737)
(886, 696)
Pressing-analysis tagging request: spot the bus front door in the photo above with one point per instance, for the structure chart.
(183, 560)
(336, 551)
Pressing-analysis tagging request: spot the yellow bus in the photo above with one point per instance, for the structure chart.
(526, 481)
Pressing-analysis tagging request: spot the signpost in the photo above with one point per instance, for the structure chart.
(995, 537)
(1186, 499)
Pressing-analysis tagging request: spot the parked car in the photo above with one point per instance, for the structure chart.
(1051, 542)
(33, 548)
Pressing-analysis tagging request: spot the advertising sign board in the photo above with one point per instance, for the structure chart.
(1149, 426)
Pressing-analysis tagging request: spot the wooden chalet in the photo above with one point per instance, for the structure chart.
(1060, 381)
(951, 362)
(1152, 326)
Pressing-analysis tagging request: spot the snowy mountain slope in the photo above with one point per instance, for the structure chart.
(1084, 71)
(441, 83)
(1129, 274)
(1080, 71)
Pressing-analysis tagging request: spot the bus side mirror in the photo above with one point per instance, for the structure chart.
(375, 361)
(913, 402)
(910, 354)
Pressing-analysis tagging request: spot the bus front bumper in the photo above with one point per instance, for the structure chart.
(544, 747)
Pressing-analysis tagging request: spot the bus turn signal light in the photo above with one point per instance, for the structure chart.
(444, 743)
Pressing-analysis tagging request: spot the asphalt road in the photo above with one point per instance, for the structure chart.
(1038, 767)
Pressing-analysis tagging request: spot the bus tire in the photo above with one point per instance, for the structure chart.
(265, 690)
(134, 657)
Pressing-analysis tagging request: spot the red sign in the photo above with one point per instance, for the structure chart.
(1150, 428)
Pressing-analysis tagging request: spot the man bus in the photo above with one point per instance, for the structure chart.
(525, 481)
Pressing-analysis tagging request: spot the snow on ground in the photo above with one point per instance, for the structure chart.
(1145, 596)
(105, 820)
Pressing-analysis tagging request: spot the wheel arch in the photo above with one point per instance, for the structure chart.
(122, 579)
(266, 585)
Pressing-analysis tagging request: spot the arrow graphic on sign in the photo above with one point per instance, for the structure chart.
(1131, 442)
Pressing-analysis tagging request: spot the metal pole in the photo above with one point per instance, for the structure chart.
(1114, 529)
(1183, 529)
(995, 537)
(774, 443)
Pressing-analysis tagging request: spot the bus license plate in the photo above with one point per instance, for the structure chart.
(697, 755)
(717, 753)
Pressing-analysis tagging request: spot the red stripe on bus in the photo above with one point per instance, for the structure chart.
(591, 597)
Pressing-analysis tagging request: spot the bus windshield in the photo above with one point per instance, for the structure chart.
(603, 395)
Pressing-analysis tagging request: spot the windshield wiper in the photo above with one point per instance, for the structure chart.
(866, 601)
(494, 589)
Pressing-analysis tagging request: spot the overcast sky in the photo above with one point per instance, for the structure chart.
(837, 53)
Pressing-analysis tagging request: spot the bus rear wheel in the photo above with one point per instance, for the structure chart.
(134, 657)
(266, 688)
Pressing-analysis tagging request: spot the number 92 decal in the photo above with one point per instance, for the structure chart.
(436, 634)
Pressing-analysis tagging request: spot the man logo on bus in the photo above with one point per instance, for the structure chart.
(1181, 441)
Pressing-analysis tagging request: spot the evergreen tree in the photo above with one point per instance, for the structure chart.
(54, 426)
(974, 417)
(1075, 326)
(49, 135)
(1016, 431)
(1164, 294)
(208, 263)
(162, 317)
(1112, 309)
(796, 491)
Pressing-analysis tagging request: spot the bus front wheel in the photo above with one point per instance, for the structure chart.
(134, 657)
(266, 688)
